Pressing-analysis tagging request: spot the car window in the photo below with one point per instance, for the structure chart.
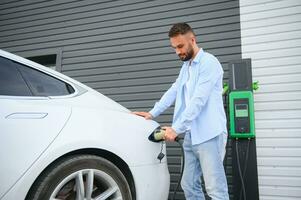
(19, 80)
(11, 81)
(42, 84)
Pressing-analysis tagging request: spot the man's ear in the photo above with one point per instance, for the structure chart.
(193, 40)
(192, 37)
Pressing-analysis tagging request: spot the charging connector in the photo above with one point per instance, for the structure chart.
(157, 136)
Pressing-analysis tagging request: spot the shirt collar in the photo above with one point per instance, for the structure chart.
(197, 58)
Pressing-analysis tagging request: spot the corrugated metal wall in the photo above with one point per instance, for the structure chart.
(121, 48)
(271, 33)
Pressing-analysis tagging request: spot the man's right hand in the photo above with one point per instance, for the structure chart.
(146, 115)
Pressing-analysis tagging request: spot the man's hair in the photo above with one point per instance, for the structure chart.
(179, 29)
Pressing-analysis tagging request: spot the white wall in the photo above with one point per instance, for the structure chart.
(271, 37)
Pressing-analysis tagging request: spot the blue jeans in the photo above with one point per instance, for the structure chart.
(205, 159)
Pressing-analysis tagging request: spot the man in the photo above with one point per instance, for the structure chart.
(199, 113)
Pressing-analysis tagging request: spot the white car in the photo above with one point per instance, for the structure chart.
(61, 140)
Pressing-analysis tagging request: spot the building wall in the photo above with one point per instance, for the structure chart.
(271, 33)
(121, 48)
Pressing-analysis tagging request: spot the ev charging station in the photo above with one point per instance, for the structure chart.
(242, 130)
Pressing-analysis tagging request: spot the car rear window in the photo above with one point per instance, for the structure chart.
(20, 80)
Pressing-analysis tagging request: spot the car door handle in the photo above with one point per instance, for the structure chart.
(26, 115)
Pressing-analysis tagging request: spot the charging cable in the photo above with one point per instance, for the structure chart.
(242, 174)
(182, 167)
(157, 136)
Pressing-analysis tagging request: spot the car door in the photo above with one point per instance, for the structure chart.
(29, 119)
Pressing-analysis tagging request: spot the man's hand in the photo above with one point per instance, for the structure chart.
(170, 133)
(146, 115)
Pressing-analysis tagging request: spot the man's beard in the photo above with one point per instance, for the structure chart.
(187, 56)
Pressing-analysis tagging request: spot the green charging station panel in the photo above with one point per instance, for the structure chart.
(241, 106)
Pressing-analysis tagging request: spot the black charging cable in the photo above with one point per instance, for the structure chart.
(242, 174)
(177, 139)
(239, 171)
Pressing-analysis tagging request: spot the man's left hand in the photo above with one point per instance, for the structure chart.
(170, 133)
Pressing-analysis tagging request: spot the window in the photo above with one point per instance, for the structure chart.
(46, 60)
(42, 84)
(19, 80)
(11, 81)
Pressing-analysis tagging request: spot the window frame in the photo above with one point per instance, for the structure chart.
(44, 52)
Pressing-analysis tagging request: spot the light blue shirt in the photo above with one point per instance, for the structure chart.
(204, 114)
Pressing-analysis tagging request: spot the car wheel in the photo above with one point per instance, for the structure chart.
(81, 177)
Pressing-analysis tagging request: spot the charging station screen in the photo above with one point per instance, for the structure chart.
(241, 110)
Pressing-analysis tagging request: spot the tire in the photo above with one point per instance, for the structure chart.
(81, 177)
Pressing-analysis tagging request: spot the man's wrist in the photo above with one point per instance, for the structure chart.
(150, 115)
(177, 129)
(153, 113)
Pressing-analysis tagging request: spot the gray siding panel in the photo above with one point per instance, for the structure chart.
(271, 33)
(101, 19)
(121, 48)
